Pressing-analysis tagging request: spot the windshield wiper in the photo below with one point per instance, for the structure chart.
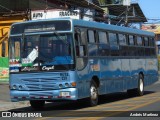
(60, 38)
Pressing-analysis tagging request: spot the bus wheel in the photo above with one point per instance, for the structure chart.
(93, 99)
(37, 104)
(140, 89)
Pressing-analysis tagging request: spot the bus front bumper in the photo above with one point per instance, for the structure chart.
(62, 94)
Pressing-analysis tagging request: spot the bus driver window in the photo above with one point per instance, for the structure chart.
(80, 45)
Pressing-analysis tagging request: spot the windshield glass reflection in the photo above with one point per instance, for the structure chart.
(43, 52)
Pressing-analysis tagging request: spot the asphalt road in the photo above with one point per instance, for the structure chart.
(113, 106)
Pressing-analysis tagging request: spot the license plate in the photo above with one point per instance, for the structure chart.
(63, 94)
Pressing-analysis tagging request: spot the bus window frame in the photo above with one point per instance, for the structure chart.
(114, 48)
(134, 40)
(142, 41)
(88, 36)
(102, 52)
(95, 43)
(124, 36)
(98, 35)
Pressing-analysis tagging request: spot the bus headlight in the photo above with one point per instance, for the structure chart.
(66, 84)
(60, 86)
(14, 87)
(20, 87)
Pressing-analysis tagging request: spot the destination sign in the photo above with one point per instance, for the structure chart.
(41, 26)
(41, 14)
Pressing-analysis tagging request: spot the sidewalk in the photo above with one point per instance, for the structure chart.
(5, 102)
(5, 106)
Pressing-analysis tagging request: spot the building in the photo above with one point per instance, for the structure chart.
(152, 27)
(119, 13)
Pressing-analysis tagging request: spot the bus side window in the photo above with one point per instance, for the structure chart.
(83, 42)
(146, 41)
(113, 39)
(122, 39)
(139, 41)
(123, 44)
(131, 40)
(140, 50)
(103, 44)
(152, 42)
(132, 46)
(82, 50)
(92, 45)
(91, 36)
(114, 48)
(152, 46)
(80, 42)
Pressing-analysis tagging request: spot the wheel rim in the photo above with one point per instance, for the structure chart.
(93, 93)
(141, 85)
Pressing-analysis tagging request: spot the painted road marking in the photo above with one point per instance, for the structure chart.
(122, 106)
(143, 99)
(120, 111)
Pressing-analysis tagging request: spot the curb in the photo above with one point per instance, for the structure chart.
(4, 83)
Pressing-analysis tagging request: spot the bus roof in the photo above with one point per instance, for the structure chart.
(97, 25)
(116, 28)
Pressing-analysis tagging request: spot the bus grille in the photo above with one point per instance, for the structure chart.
(41, 83)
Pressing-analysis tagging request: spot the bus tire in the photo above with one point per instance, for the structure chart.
(37, 104)
(93, 99)
(140, 88)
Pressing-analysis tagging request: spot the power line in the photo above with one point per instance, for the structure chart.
(6, 8)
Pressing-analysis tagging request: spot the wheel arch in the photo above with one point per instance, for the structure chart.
(96, 80)
(141, 73)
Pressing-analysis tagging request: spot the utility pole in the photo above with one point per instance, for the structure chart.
(126, 3)
(126, 20)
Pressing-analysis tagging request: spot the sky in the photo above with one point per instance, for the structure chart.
(151, 9)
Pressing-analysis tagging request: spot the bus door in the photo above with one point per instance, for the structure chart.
(81, 62)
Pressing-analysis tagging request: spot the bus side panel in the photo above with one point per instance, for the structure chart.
(136, 66)
(95, 71)
(152, 71)
(114, 82)
(126, 73)
(104, 75)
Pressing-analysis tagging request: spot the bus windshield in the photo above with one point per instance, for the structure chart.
(43, 52)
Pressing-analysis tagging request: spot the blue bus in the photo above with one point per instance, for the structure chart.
(67, 59)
